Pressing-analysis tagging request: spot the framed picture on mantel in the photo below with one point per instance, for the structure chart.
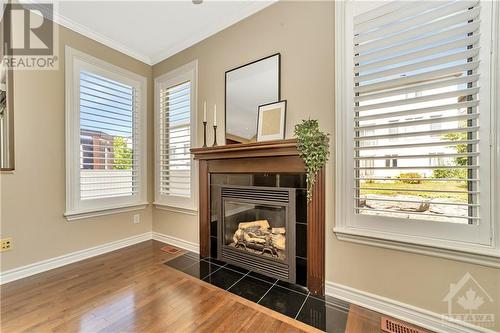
(271, 121)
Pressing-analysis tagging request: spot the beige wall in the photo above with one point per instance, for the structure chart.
(303, 32)
(33, 196)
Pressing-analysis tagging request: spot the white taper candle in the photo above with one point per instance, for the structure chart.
(205, 111)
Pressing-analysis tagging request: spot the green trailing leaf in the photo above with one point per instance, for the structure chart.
(314, 149)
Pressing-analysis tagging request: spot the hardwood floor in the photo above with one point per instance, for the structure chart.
(131, 290)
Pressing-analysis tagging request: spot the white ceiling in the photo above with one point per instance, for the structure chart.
(152, 30)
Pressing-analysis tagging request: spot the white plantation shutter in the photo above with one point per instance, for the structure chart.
(416, 99)
(175, 116)
(175, 140)
(109, 162)
(105, 136)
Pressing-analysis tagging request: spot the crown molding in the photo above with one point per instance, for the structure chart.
(212, 29)
(207, 31)
(87, 32)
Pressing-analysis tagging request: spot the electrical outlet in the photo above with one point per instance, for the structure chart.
(137, 218)
(6, 244)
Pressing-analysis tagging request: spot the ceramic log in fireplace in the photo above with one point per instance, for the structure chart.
(257, 229)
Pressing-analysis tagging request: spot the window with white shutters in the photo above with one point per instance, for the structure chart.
(109, 151)
(175, 96)
(105, 135)
(175, 140)
(416, 152)
(418, 60)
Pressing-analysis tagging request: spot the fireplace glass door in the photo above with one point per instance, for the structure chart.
(255, 228)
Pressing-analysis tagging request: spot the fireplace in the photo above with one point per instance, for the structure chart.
(274, 164)
(256, 229)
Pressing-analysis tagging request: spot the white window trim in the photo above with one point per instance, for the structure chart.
(181, 74)
(461, 251)
(74, 210)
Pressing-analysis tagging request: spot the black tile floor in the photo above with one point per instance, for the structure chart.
(327, 314)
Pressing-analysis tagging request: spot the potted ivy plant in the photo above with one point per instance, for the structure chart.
(314, 148)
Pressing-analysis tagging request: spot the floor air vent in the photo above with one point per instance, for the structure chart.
(394, 326)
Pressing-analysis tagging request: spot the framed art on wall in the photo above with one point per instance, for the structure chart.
(271, 121)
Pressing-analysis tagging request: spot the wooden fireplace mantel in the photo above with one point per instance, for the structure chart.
(266, 157)
(255, 149)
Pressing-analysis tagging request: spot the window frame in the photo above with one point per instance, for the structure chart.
(75, 61)
(7, 153)
(182, 74)
(405, 239)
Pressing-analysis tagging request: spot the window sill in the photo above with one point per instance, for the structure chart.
(485, 256)
(187, 211)
(83, 214)
(181, 210)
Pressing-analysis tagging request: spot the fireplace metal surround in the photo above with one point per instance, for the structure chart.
(271, 200)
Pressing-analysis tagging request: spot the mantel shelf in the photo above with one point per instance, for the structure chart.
(248, 150)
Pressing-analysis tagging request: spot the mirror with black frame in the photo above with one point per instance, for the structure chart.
(247, 87)
(6, 110)
(6, 121)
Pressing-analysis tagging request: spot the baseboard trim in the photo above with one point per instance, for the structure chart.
(183, 244)
(48, 264)
(411, 314)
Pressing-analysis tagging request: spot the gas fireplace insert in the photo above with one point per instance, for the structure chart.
(256, 229)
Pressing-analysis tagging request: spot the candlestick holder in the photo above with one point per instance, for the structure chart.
(215, 136)
(204, 134)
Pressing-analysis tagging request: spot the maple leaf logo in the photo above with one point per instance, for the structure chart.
(471, 301)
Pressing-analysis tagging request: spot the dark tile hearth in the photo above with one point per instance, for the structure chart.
(223, 278)
(263, 277)
(251, 288)
(294, 287)
(215, 261)
(330, 316)
(327, 314)
(284, 301)
(182, 262)
(313, 313)
(201, 269)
